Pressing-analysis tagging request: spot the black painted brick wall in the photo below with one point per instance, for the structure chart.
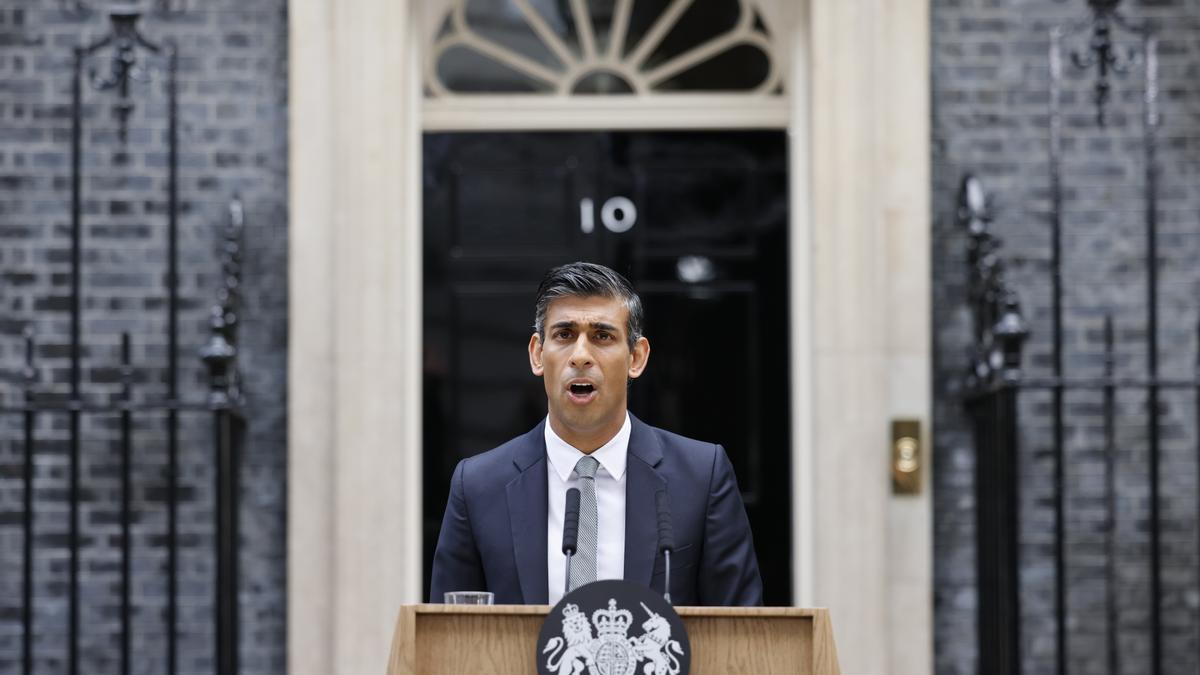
(990, 84)
(232, 90)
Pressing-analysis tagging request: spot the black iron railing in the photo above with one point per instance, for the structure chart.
(996, 386)
(40, 406)
(223, 404)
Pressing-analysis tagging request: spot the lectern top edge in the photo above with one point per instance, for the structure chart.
(535, 610)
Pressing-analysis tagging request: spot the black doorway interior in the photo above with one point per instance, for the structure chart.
(696, 220)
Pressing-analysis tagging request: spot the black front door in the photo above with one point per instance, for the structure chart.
(696, 220)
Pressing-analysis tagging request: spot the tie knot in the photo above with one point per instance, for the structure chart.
(586, 467)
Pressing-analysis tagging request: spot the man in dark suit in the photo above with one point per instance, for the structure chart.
(502, 530)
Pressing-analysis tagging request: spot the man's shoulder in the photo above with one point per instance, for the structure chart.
(500, 461)
(679, 441)
(679, 447)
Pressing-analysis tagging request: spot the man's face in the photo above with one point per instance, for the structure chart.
(585, 362)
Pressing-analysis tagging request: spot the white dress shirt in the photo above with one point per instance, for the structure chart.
(610, 505)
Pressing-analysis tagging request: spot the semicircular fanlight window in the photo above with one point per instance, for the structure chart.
(601, 47)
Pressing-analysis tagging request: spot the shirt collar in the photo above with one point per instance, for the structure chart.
(612, 455)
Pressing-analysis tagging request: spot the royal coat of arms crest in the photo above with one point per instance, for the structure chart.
(611, 651)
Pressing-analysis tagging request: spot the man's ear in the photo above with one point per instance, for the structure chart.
(639, 358)
(535, 355)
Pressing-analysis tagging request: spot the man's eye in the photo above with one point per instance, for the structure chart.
(603, 336)
(563, 334)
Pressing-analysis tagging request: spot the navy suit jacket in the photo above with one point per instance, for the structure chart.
(493, 535)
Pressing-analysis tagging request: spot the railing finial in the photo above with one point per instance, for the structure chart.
(220, 352)
(1000, 328)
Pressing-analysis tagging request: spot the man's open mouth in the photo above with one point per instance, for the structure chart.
(581, 392)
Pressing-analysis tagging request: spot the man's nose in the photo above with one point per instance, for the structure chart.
(581, 355)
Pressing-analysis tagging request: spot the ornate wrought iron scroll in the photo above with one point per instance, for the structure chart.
(83, 8)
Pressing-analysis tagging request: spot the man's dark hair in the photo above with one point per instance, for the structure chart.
(587, 280)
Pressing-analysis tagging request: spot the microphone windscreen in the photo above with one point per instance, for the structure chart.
(571, 522)
(666, 537)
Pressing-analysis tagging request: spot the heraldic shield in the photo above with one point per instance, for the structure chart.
(613, 627)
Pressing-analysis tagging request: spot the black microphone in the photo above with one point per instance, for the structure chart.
(570, 533)
(666, 538)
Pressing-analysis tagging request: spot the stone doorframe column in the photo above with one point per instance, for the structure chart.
(860, 318)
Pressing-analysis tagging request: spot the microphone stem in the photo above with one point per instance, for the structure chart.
(667, 588)
(568, 574)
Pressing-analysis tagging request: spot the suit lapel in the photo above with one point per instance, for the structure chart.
(527, 497)
(643, 480)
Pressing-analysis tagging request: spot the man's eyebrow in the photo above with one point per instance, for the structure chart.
(595, 325)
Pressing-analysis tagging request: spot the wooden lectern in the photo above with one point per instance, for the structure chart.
(502, 639)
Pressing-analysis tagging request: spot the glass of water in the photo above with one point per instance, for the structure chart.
(469, 598)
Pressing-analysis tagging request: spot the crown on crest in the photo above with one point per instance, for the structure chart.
(573, 618)
(612, 621)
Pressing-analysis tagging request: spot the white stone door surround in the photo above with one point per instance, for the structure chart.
(857, 111)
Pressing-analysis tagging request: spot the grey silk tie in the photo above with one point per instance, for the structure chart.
(583, 563)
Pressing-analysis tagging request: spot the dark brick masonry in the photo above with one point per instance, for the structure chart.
(990, 83)
(989, 101)
(233, 135)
